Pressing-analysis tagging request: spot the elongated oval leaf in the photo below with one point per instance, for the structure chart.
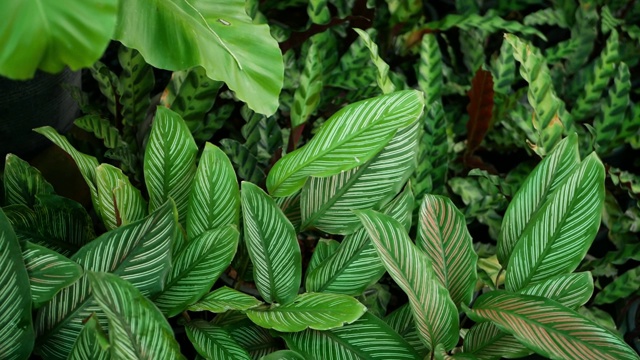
(443, 236)
(120, 202)
(435, 314)
(214, 342)
(549, 328)
(272, 244)
(622, 287)
(256, 340)
(571, 290)
(307, 95)
(401, 320)
(318, 311)
(283, 355)
(137, 330)
(323, 250)
(92, 343)
(223, 299)
(350, 138)
(487, 341)
(22, 182)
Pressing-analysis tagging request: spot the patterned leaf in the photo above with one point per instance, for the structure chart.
(480, 109)
(504, 70)
(346, 140)
(107, 83)
(323, 250)
(430, 175)
(384, 82)
(135, 83)
(272, 244)
(256, 340)
(318, 11)
(245, 163)
(548, 16)
(290, 206)
(430, 69)
(472, 47)
(489, 23)
(283, 355)
(263, 135)
(22, 182)
(224, 299)
(401, 320)
(92, 342)
(214, 342)
(120, 202)
(101, 129)
(570, 290)
(614, 125)
(584, 32)
(307, 95)
(625, 285)
(487, 341)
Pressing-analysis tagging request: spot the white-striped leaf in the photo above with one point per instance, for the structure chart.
(559, 235)
(535, 190)
(137, 330)
(213, 342)
(283, 355)
(571, 290)
(441, 354)
(92, 343)
(488, 342)
(169, 161)
(272, 245)
(120, 202)
(256, 340)
(16, 328)
(139, 253)
(326, 203)
(349, 138)
(214, 200)
(318, 311)
(224, 299)
(368, 338)
(48, 272)
(549, 328)
(435, 314)
(196, 268)
(356, 265)
(443, 236)
(323, 250)
(22, 182)
(401, 320)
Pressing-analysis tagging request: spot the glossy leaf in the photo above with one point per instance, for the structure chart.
(120, 202)
(323, 250)
(224, 299)
(256, 340)
(571, 290)
(283, 355)
(92, 343)
(22, 182)
(214, 342)
(487, 341)
(480, 109)
(401, 320)
(624, 286)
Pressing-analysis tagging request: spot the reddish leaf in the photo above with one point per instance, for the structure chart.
(480, 109)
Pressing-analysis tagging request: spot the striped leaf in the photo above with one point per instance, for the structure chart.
(430, 69)
(367, 338)
(557, 238)
(224, 299)
(326, 203)
(384, 82)
(135, 83)
(246, 164)
(107, 83)
(443, 236)
(624, 286)
(48, 272)
(214, 200)
(535, 191)
(16, 328)
(196, 268)
(307, 94)
(487, 341)
(489, 23)
(290, 206)
(283, 355)
(318, 11)
(571, 290)
(430, 175)
(120, 202)
(256, 340)
(92, 343)
(169, 162)
(433, 310)
(549, 328)
(350, 138)
(401, 320)
(318, 311)
(22, 182)
(272, 244)
(441, 354)
(323, 250)
(137, 330)
(102, 129)
(610, 122)
(214, 342)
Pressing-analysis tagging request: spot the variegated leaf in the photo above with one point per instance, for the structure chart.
(22, 182)
(571, 290)
(224, 299)
(384, 82)
(624, 286)
(214, 342)
(256, 340)
(401, 320)
(283, 355)
(120, 202)
(323, 250)
(92, 343)
(488, 342)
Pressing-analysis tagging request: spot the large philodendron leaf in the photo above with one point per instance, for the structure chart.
(549, 328)
(443, 236)
(272, 244)
(16, 327)
(559, 235)
(22, 182)
(196, 268)
(214, 200)
(120, 202)
(217, 35)
(214, 342)
(169, 161)
(92, 343)
(137, 330)
(349, 138)
(318, 311)
(433, 310)
(50, 35)
(223, 299)
(536, 189)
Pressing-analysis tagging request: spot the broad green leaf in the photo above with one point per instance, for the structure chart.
(196, 268)
(443, 236)
(318, 311)
(283, 355)
(323, 250)
(439, 353)
(48, 272)
(401, 320)
(137, 330)
(549, 328)
(120, 202)
(214, 200)
(536, 189)
(224, 299)
(571, 290)
(326, 203)
(487, 341)
(214, 342)
(16, 328)
(351, 342)
(351, 137)
(307, 94)
(272, 244)
(169, 161)
(559, 235)
(22, 182)
(384, 82)
(217, 35)
(49, 35)
(92, 343)
(435, 314)
(624, 286)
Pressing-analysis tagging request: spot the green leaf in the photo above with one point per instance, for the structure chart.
(318, 11)
(487, 341)
(557, 238)
(50, 36)
(101, 129)
(622, 287)
(217, 35)
(430, 175)
(318, 311)
(441, 354)
(435, 314)
(120, 202)
(169, 161)
(92, 343)
(549, 328)
(384, 82)
(283, 355)
(135, 83)
(214, 200)
(137, 330)
(430, 69)
(351, 137)
(272, 244)
(401, 320)
(610, 123)
(196, 268)
(214, 342)
(443, 236)
(246, 164)
(256, 340)
(108, 84)
(489, 23)
(22, 182)
(323, 250)
(48, 272)
(224, 299)
(571, 290)
(16, 328)
(307, 95)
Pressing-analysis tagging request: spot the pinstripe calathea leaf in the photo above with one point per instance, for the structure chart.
(120, 202)
(92, 343)
(22, 182)
(214, 342)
